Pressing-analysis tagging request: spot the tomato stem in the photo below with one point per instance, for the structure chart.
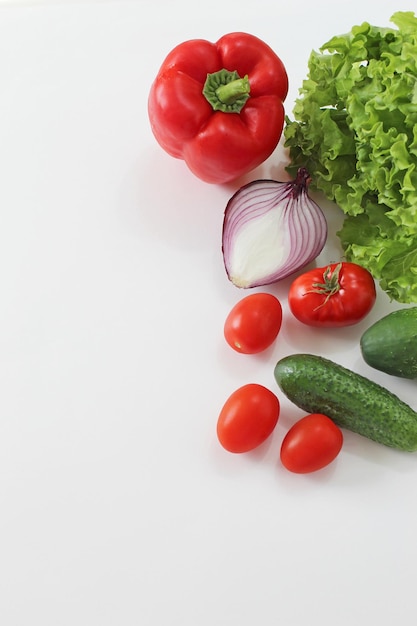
(226, 91)
(330, 285)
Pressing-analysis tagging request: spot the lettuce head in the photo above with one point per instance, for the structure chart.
(355, 130)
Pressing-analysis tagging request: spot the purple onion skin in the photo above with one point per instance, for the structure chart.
(307, 219)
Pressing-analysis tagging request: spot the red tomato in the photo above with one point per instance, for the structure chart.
(247, 418)
(311, 443)
(341, 294)
(254, 323)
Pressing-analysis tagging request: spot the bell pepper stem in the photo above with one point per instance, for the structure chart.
(229, 93)
(226, 91)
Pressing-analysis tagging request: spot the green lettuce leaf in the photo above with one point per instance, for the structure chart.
(355, 130)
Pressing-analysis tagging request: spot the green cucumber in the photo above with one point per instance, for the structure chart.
(390, 345)
(318, 385)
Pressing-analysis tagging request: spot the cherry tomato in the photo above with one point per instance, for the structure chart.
(311, 443)
(340, 294)
(254, 323)
(247, 418)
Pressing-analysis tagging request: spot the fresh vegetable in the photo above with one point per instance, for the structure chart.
(390, 344)
(340, 294)
(271, 229)
(219, 106)
(318, 385)
(354, 129)
(248, 418)
(253, 323)
(311, 443)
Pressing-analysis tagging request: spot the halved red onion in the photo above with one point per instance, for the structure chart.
(271, 229)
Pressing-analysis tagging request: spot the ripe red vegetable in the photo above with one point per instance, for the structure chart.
(341, 294)
(253, 323)
(219, 106)
(311, 443)
(247, 418)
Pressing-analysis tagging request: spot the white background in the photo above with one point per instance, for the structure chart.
(118, 507)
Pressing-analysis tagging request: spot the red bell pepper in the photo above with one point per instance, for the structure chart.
(219, 106)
